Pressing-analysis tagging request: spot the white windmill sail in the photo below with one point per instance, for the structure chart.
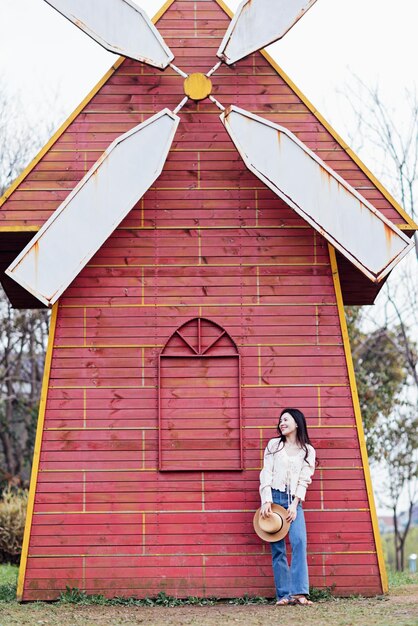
(119, 26)
(317, 193)
(258, 23)
(95, 207)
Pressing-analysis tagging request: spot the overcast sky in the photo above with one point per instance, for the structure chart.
(48, 59)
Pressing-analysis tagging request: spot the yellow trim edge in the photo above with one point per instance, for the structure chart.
(34, 229)
(411, 225)
(36, 454)
(359, 421)
(15, 184)
(162, 10)
(19, 229)
(58, 134)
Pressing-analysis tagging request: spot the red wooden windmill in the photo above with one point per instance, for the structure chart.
(196, 290)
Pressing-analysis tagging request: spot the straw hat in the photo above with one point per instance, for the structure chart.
(274, 527)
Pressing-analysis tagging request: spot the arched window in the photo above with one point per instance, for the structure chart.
(199, 399)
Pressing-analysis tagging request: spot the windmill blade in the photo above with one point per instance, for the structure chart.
(317, 193)
(95, 207)
(258, 23)
(119, 26)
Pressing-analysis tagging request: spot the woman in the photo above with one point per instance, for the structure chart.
(289, 463)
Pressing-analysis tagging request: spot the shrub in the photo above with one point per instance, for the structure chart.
(12, 523)
(396, 579)
(8, 580)
(7, 592)
(321, 594)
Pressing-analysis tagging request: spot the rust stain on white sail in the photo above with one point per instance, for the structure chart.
(258, 23)
(95, 207)
(318, 194)
(120, 26)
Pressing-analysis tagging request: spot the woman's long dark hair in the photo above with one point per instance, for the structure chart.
(302, 436)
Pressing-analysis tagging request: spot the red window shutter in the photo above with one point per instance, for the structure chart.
(199, 399)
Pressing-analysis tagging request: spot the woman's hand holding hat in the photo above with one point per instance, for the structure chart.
(271, 527)
(266, 509)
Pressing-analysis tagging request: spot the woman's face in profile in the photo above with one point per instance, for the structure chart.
(287, 424)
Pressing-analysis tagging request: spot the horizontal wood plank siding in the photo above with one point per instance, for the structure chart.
(208, 240)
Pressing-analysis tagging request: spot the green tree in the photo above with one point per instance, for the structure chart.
(398, 449)
(389, 415)
(384, 337)
(381, 372)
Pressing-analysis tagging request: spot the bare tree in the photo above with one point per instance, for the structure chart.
(22, 352)
(392, 435)
(17, 143)
(23, 334)
(395, 140)
(398, 449)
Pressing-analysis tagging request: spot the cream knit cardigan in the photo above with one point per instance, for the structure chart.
(284, 472)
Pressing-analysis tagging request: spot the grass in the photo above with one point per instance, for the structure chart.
(76, 608)
(8, 574)
(75, 596)
(8, 580)
(398, 579)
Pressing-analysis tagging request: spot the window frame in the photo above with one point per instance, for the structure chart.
(199, 354)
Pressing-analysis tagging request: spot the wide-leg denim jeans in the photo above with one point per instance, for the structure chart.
(294, 579)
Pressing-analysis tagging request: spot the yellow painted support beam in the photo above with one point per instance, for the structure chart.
(359, 422)
(36, 454)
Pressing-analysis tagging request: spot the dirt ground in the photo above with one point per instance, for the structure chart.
(399, 608)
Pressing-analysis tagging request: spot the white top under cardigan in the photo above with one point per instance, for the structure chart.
(284, 472)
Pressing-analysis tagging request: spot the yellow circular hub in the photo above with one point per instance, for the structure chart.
(197, 86)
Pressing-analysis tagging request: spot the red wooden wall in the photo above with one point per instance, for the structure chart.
(207, 241)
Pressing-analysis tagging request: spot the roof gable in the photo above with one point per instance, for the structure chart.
(131, 92)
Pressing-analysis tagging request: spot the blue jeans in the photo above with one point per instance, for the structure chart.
(294, 579)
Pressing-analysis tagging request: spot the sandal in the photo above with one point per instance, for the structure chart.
(285, 601)
(302, 600)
